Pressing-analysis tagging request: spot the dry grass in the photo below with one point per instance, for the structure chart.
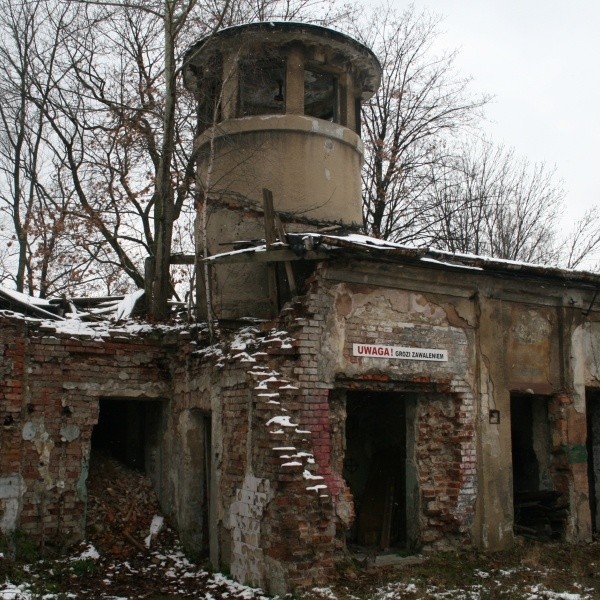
(530, 570)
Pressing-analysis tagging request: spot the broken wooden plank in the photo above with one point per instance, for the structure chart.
(182, 259)
(260, 256)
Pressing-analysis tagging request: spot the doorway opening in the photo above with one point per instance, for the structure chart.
(196, 487)
(378, 458)
(539, 511)
(593, 455)
(129, 431)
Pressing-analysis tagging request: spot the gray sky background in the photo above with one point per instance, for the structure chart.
(540, 60)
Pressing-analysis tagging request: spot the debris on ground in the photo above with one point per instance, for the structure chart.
(132, 552)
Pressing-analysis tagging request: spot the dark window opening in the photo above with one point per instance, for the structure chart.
(539, 510)
(375, 468)
(128, 430)
(208, 96)
(593, 455)
(262, 87)
(321, 95)
(358, 114)
(301, 271)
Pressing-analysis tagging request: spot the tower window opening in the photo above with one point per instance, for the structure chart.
(262, 87)
(321, 95)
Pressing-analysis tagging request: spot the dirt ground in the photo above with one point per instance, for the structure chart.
(119, 561)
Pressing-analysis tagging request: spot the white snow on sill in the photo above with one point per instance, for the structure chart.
(308, 475)
(316, 488)
(244, 357)
(293, 463)
(283, 421)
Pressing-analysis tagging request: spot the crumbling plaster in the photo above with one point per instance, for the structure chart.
(275, 399)
(588, 336)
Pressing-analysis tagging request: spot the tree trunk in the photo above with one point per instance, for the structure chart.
(164, 209)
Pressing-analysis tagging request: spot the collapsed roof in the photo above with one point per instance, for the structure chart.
(300, 246)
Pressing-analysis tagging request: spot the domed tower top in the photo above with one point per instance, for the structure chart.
(278, 108)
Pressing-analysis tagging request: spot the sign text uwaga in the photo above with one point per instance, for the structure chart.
(399, 352)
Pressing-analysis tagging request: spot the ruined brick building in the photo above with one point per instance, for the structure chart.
(361, 393)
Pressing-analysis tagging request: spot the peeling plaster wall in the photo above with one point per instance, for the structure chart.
(12, 488)
(589, 356)
(516, 338)
(273, 397)
(445, 437)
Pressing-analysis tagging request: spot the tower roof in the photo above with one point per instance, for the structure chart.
(284, 33)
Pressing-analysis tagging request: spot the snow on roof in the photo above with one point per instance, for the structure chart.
(91, 317)
(126, 306)
(27, 305)
(332, 244)
(24, 298)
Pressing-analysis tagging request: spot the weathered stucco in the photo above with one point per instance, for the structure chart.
(248, 443)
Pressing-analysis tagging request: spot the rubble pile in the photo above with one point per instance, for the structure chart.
(122, 510)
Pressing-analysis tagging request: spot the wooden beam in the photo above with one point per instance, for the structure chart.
(260, 256)
(270, 240)
(288, 265)
(269, 216)
(182, 259)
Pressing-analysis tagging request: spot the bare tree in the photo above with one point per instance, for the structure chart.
(30, 191)
(420, 102)
(484, 200)
(20, 144)
(582, 245)
(121, 126)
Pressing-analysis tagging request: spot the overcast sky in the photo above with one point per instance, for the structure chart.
(540, 60)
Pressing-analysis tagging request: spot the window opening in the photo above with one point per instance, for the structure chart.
(262, 87)
(208, 97)
(321, 95)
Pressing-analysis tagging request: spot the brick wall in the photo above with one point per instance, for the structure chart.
(275, 396)
(48, 407)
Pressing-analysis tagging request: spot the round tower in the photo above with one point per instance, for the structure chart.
(279, 109)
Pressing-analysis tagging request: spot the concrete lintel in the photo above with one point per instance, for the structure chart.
(154, 391)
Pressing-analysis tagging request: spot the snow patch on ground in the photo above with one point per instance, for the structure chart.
(89, 553)
(8, 591)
